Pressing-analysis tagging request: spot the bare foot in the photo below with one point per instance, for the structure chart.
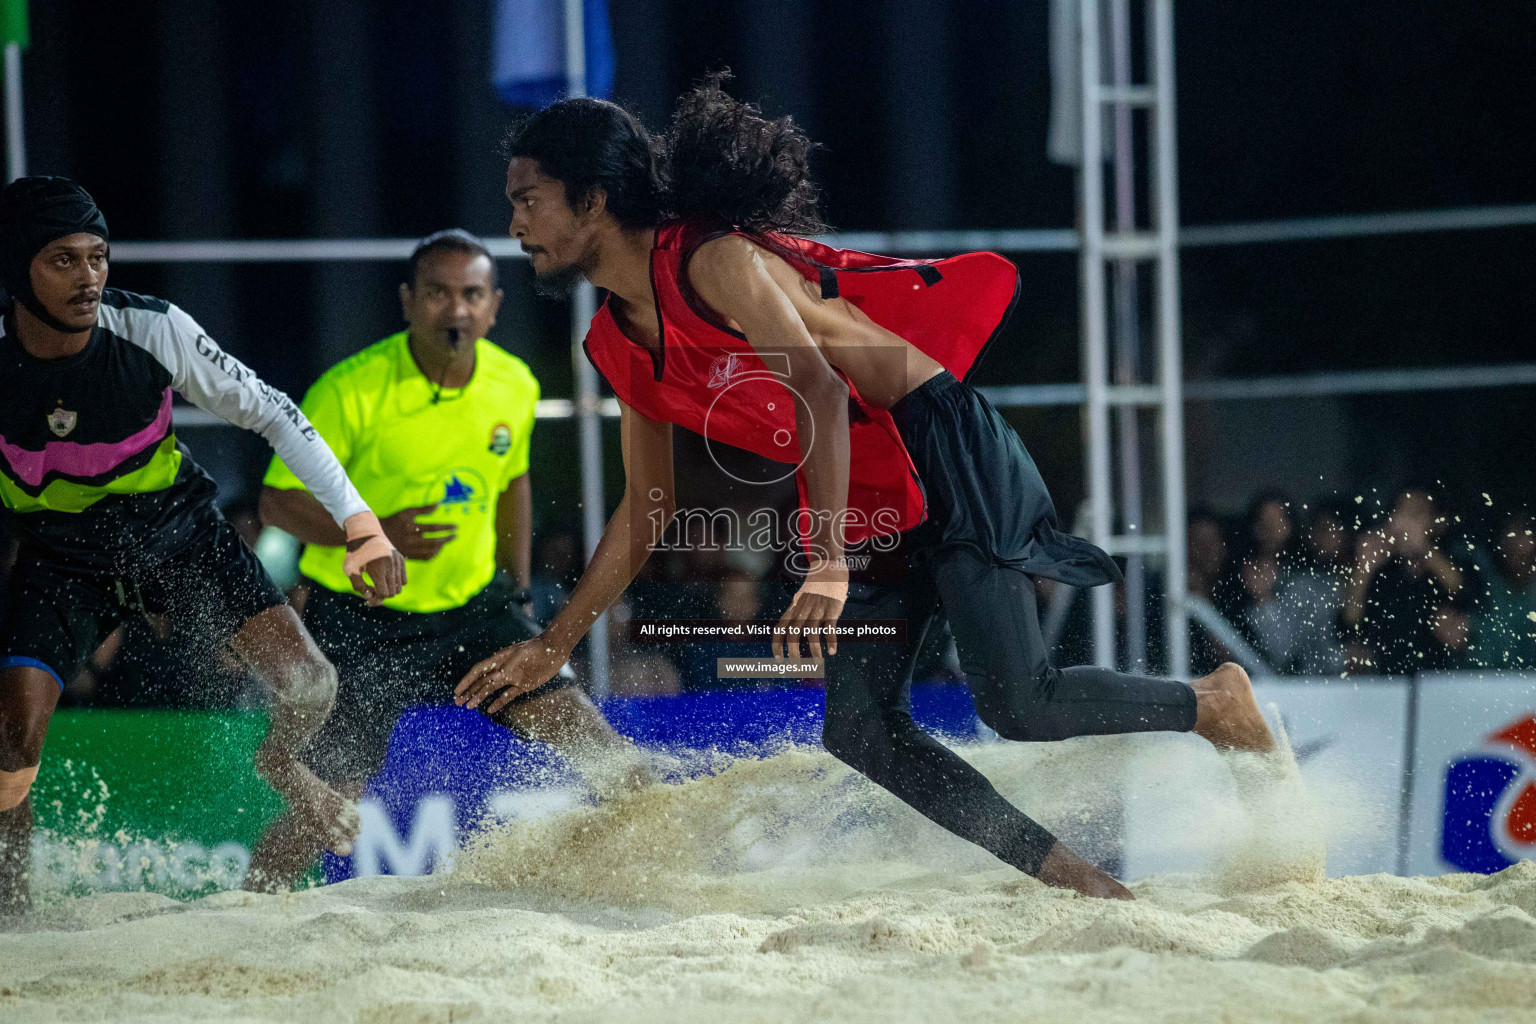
(1066, 870)
(1227, 714)
(329, 815)
(318, 816)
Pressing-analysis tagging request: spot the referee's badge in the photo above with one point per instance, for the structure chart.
(501, 438)
(62, 421)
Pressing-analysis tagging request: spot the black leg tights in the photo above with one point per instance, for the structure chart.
(992, 613)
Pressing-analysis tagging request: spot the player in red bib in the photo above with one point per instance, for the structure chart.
(723, 318)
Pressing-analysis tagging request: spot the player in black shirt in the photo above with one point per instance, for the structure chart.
(115, 518)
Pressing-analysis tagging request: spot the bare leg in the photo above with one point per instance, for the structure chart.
(27, 699)
(1227, 713)
(568, 721)
(16, 859)
(278, 647)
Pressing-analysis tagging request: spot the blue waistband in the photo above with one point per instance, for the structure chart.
(16, 661)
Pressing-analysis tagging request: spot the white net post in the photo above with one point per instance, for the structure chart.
(1169, 336)
(590, 425)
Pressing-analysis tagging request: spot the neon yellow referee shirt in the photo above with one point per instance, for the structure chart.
(375, 410)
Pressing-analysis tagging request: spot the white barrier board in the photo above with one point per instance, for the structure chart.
(1474, 773)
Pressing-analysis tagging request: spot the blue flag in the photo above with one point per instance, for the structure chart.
(528, 59)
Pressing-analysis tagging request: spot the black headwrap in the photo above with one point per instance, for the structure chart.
(33, 212)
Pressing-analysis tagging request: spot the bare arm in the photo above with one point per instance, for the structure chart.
(514, 530)
(300, 514)
(1445, 571)
(732, 275)
(631, 534)
(217, 382)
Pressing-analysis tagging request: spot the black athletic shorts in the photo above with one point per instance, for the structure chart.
(389, 660)
(58, 613)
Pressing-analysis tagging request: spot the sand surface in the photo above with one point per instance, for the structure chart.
(787, 890)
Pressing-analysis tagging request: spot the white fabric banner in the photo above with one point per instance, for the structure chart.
(1474, 773)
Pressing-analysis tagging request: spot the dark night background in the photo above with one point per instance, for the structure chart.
(374, 118)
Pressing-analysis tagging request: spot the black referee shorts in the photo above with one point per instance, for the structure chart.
(389, 660)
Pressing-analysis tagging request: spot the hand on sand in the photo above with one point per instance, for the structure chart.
(512, 670)
(1066, 870)
(1227, 713)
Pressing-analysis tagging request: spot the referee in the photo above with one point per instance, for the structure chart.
(433, 425)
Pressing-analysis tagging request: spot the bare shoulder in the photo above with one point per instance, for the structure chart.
(728, 256)
(730, 268)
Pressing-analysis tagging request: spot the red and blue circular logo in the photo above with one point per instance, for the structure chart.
(1490, 802)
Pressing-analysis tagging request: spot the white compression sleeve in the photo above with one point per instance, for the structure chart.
(216, 381)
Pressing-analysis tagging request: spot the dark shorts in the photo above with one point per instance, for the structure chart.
(58, 613)
(985, 495)
(389, 660)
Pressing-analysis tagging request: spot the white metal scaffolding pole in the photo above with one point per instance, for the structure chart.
(1127, 339)
(15, 133)
(1095, 341)
(1169, 337)
(1127, 246)
(591, 425)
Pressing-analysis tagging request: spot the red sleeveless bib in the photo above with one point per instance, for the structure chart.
(710, 380)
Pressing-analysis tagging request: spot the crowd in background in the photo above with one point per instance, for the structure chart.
(1365, 586)
(1376, 586)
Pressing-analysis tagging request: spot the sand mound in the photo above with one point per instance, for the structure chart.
(788, 889)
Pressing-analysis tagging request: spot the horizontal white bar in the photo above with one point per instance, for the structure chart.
(1137, 245)
(1129, 95)
(1133, 394)
(1031, 240)
(1020, 395)
(564, 408)
(1350, 382)
(1364, 382)
(1141, 544)
(305, 250)
(1358, 225)
(1347, 382)
(286, 250)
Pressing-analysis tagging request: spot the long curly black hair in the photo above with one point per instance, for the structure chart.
(589, 144)
(720, 160)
